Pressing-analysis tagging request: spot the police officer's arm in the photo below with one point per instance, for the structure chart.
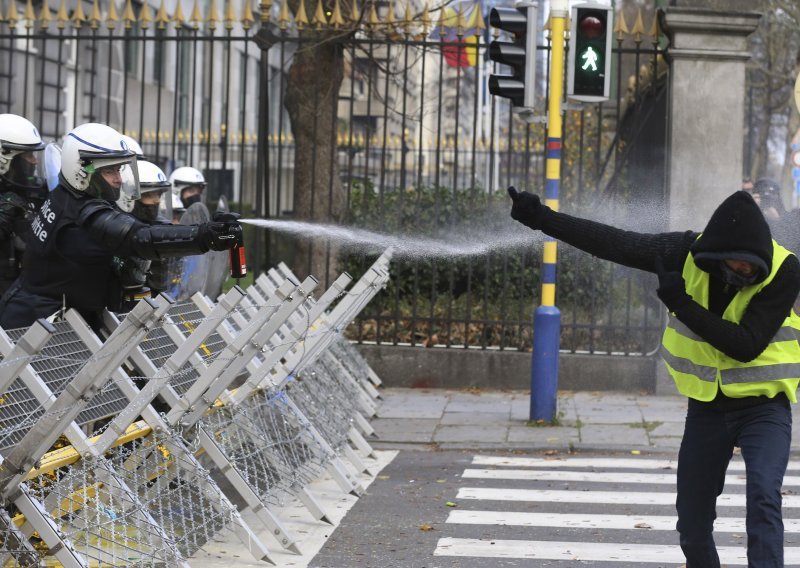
(762, 319)
(127, 236)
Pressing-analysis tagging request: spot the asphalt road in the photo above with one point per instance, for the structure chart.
(442, 509)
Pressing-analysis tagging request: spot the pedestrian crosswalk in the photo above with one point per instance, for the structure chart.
(594, 510)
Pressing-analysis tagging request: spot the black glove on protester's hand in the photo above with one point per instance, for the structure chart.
(527, 208)
(220, 236)
(671, 287)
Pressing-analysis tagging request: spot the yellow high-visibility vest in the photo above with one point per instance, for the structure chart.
(699, 369)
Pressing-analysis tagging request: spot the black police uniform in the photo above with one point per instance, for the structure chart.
(74, 248)
(17, 206)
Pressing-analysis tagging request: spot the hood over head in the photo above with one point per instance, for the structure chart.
(737, 230)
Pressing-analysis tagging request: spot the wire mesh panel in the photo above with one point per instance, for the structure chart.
(268, 446)
(173, 489)
(343, 385)
(103, 520)
(351, 359)
(61, 358)
(158, 346)
(316, 394)
(19, 411)
(273, 416)
(188, 316)
(59, 361)
(16, 551)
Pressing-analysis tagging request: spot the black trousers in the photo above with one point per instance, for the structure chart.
(763, 432)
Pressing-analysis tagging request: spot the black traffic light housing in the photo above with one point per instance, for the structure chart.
(589, 67)
(520, 54)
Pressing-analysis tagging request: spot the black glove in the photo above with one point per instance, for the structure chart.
(671, 287)
(220, 236)
(225, 217)
(527, 208)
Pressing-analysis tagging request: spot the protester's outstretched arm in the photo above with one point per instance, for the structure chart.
(629, 248)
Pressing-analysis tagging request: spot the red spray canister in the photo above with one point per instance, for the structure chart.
(236, 254)
(238, 261)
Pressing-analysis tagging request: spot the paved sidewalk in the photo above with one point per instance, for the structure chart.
(498, 420)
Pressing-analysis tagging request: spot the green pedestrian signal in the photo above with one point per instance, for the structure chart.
(589, 67)
(589, 58)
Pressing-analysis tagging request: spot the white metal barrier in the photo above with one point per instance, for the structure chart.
(108, 443)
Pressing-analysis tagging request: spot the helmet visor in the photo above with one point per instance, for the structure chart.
(165, 205)
(35, 147)
(51, 165)
(25, 175)
(129, 190)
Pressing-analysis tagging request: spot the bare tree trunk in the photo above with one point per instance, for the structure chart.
(312, 92)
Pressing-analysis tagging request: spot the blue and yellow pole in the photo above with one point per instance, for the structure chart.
(547, 318)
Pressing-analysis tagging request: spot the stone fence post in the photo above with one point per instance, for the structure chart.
(707, 54)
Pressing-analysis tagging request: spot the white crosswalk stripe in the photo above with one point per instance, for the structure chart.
(573, 510)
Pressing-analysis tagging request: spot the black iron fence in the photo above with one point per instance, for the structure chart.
(410, 143)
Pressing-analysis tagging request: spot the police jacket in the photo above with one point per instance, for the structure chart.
(766, 311)
(16, 211)
(76, 242)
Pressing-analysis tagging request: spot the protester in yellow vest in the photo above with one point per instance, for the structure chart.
(731, 347)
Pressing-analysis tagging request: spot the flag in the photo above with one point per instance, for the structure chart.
(459, 53)
(459, 50)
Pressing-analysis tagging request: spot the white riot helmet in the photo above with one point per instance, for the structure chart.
(18, 135)
(86, 149)
(185, 177)
(151, 181)
(151, 178)
(134, 146)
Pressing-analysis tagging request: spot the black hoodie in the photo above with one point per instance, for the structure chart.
(738, 226)
(737, 230)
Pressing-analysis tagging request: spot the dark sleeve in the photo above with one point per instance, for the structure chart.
(762, 319)
(124, 235)
(629, 248)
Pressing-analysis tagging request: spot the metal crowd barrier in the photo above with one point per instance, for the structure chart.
(108, 443)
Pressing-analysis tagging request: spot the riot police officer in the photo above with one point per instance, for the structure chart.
(79, 234)
(139, 276)
(189, 184)
(21, 191)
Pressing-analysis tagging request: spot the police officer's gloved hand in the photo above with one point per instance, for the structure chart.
(527, 208)
(671, 286)
(220, 236)
(225, 217)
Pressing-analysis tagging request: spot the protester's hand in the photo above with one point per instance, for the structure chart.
(671, 286)
(220, 236)
(527, 208)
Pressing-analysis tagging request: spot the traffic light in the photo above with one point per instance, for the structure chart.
(520, 54)
(589, 71)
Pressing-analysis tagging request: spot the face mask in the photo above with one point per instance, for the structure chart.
(733, 278)
(145, 212)
(190, 200)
